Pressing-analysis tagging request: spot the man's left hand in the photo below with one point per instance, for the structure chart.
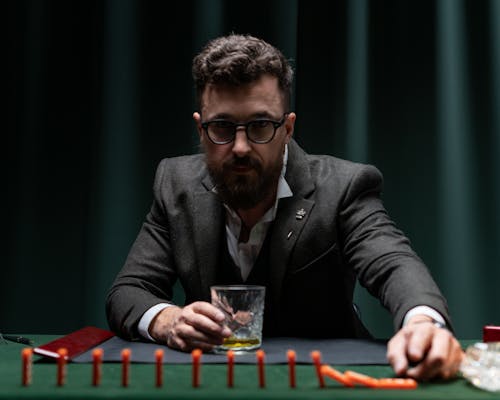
(423, 351)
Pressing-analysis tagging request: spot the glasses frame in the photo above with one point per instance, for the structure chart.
(276, 125)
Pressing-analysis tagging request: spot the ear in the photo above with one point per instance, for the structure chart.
(197, 120)
(289, 126)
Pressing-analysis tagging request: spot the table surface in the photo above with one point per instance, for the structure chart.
(177, 382)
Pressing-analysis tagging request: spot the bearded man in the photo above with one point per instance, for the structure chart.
(254, 208)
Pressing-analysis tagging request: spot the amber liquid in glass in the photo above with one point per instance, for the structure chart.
(235, 343)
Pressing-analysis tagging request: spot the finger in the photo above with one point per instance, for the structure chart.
(201, 322)
(175, 342)
(190, 334)
(396, 353)
(420, 341)
(451, 363)
(457, 355)
(186, 346)
(209, 310)
(438, 359)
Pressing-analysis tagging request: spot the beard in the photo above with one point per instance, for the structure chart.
(244, 191)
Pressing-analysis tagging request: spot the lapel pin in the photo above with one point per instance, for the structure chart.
(289, 234)
(300, 214)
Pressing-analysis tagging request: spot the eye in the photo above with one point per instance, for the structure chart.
(261, 123)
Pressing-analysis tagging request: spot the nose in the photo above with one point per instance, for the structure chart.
(241, 147)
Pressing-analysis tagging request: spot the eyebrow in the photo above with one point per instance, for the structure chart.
(257, 115)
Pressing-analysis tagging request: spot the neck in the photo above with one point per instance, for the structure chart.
(249, 217)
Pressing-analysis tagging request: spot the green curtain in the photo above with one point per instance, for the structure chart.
(100, 91)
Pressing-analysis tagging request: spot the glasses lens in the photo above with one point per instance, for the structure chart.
(260, 130)
(221, 131)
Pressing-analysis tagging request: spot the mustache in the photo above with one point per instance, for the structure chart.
(242, 162)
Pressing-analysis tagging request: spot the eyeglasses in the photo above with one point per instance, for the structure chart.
(261, 131)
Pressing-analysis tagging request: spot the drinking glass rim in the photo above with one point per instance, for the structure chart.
(237, 287)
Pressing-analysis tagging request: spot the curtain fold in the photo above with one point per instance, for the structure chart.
(116, 177)
(99, 91)
(458, 191)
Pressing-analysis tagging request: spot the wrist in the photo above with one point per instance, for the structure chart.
(422, 319)
(163, 322)
(422, 312)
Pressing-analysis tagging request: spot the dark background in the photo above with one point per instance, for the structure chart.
(99, 91)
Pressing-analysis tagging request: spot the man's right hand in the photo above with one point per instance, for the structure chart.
(197, 325)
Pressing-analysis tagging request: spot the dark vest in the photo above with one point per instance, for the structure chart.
(229, 274)
(285, 322)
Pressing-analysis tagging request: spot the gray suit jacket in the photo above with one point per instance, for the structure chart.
(345, 234)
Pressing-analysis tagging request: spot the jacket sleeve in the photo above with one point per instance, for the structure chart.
(148, 276)
(380, 254)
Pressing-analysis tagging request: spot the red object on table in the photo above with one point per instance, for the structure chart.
(125, 367)
(397, 383)
(365, 380)
(27, 362)
(75, 343)
(291, 356)
(61, 366)
(196, 357)
(260, 366)
(491, 333)
(230, 368)
(316, 357)
(96, 366)
(159, 367)
(336, 375)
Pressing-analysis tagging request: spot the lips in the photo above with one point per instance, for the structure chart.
(241, 165)
(241, 168)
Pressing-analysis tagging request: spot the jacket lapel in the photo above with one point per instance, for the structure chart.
(293, 213)
(208, 222)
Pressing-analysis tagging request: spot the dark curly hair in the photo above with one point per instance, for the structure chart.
(240, 59)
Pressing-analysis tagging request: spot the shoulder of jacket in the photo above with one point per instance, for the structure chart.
(340, 166)
(180, 161)
(181, 169)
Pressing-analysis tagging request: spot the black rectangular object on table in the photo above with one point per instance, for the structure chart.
(333, 351)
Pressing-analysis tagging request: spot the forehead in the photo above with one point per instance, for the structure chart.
(257, 97)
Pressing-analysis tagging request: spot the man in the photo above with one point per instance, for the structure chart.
(256, 209)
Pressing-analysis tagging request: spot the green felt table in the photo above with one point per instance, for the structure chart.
(177, 382)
